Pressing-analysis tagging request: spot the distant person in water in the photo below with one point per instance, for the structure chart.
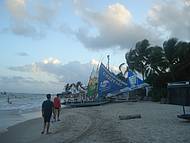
(8, 99)
(47, 109)
(57, 107)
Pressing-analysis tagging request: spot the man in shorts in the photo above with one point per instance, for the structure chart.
(57, 107)
(47, 109)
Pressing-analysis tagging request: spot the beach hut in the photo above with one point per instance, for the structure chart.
(179, 94)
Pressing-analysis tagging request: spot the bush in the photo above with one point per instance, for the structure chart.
(155, 93)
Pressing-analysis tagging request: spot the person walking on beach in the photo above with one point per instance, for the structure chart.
(47, 109)
(57, 106)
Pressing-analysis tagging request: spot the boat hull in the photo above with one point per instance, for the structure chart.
(85, 104)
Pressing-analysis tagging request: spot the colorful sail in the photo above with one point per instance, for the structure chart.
(92, 84)
(108, 82)
(133, 80)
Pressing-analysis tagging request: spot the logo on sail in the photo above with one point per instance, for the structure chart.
(105, 85)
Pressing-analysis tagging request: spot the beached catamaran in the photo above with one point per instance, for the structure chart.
(104, 84)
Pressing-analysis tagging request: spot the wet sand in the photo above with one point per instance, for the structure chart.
(101, 124)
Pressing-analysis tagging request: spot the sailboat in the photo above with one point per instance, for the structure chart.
(102, 83)
(91, 97)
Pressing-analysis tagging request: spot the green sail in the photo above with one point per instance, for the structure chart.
(93, 83)
(92, 87)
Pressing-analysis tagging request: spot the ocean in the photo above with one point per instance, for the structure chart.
(21, 107)
(21, 101)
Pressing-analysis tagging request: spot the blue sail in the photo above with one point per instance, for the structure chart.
(108, 82)
(134, 82)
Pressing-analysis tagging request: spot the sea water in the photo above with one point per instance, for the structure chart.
(21, 107)
(21, 101)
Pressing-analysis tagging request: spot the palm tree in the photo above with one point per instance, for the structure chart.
(137, 58)
(67, 87)
(182, 51)
(131, 59)
(178, 55)
(141, 52)
(171, 55)
(169, 47)
(156, 63)
(182, 66)
(168, 63)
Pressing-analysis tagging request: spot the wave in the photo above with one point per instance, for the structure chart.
(21, 101)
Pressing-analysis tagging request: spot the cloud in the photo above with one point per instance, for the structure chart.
(187, 2)
(114, 27)
(31, 18)
(28, 85)
(23, 54)
(95, 62)
(48, 75)
(64, 73)
(51, 61)
(171, 19)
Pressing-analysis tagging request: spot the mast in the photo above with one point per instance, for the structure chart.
(108, 56)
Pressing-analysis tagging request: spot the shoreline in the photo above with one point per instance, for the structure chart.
(14, 117)
(101, 124)
(11, 118)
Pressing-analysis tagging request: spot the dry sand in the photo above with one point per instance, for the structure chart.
(101, 124)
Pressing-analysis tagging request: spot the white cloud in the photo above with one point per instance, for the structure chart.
(115, 28)
(48, 75)
(51, 61)
(114, 69)
(28, 85)
(171, 18)
(31, 18)
(70, 72)
(112, 27)
(17, 9)
(187, 2)
(95, 62)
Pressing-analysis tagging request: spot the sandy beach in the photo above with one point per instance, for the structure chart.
(101, 124)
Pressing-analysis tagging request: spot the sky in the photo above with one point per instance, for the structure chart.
(48, 43)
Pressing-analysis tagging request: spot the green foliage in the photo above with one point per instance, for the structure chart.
(136, 58)
(160, 65)
(155, 94)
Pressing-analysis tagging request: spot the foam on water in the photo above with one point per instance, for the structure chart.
(21, 101)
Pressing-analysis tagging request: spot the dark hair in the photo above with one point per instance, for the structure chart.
(48, 96)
